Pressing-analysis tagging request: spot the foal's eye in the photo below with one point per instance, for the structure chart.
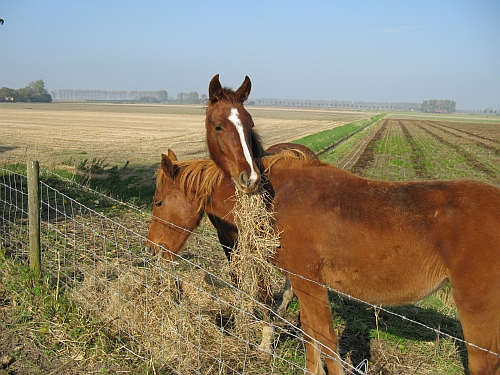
(158, 204)
(218, 128)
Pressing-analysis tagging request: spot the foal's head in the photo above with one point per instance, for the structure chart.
(174, 215)
(230, 138)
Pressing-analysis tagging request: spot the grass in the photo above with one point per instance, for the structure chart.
(48, 331)
(321, 140)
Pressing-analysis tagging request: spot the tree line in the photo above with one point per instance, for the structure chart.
(341, 104)
(191, 98)
(156, 96)
(438, 106)
(35, 92)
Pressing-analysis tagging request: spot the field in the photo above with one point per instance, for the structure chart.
(398, 147)
(63, 134)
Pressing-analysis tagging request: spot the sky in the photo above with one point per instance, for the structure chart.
(378, 51)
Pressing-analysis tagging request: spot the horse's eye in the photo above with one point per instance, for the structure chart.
(218, 128)
(158, 204)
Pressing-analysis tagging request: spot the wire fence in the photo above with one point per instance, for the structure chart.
(185, 314)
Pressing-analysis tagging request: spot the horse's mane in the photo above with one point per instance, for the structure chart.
(196, 179)
(229, 94)
(257, 148)
(291, 158)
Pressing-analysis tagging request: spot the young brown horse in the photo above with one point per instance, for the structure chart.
(231, 141)
(227, 233)
(387, 243)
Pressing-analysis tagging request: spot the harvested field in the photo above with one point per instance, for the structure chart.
(64, 133)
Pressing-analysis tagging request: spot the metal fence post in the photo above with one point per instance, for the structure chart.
(33, 172)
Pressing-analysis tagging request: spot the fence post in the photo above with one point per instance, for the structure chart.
(33, 172)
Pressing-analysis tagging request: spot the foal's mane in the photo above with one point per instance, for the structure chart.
(291, 158)
(196, 179)
(227, 93)
(257, 147)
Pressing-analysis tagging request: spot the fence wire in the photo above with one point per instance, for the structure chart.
(185, 314)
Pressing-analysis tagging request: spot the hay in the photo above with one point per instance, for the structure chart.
(258, 242)
(178, 315)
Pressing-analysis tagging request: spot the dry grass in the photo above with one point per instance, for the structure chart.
(60, 133)
(258, 242)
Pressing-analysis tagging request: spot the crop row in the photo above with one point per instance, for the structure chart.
(415, 149)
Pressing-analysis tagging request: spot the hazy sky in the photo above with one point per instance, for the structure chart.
(335, 50)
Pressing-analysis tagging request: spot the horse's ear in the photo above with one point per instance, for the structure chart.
(214, 89)
(171, 155)
(167, 164)
(244, 91)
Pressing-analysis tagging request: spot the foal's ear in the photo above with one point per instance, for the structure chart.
(214, 89)
(244, 91)
(171, 155)
(167, 164)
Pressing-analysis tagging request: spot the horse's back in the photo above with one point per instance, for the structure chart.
(360, 235)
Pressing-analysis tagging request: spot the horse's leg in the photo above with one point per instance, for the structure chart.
(287, 297)
(479, 312)
(228, 235)
(316, 322)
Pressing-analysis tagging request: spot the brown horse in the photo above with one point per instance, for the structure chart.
(227, 232)
(384, 242)
(232, 142)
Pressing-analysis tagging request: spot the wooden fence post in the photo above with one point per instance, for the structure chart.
(33, 172)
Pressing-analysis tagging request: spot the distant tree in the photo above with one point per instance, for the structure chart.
(37, 92)
(188, 98)
(34, 92)
(8, 94)
(162, 95)
(438, 106)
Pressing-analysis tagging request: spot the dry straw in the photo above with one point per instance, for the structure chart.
(184, 316)
(178, 315)
(258, 242)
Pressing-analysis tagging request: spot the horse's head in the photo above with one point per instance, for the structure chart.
(174, 215)
(229, 134)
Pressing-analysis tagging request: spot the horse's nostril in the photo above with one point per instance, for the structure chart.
(243, 179)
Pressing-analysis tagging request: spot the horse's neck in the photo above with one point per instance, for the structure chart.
(257, 148)
(221, 201)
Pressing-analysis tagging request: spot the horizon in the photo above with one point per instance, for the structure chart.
(362, 51)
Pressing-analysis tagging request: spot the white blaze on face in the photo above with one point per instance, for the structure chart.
(235, 119)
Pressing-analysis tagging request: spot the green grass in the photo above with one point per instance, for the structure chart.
(134, 185)
(50, 331)
(319, 141)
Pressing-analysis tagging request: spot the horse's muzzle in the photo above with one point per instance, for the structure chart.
(245, 184)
